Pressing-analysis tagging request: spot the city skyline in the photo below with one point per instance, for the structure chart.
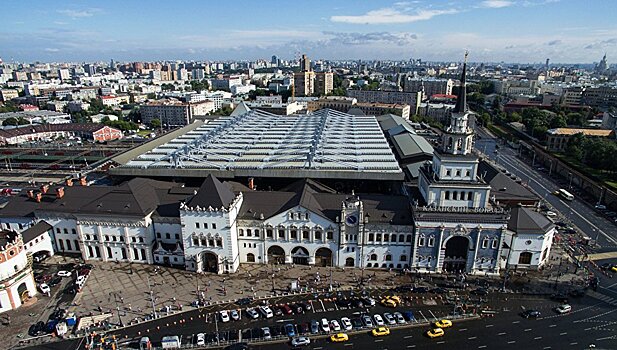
(526, 31)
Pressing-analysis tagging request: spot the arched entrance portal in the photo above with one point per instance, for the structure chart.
(349, 262)
(276, 255)
(209, 262)
(455, 259)
(22, 290)
(323, 257)
(300, 256)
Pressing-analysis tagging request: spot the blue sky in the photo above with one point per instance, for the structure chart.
(567, 31)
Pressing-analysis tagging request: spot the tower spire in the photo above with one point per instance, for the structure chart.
(461, 99)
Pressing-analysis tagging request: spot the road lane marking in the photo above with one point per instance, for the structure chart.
(512, 342)
(318, 348)
(526, 329)
(502, 333)
(440, 342)
(408, 336)
(564, 333)
(551, 326)
(323, 307)
(348, 344)
(410, 346)
(472, 338)
(378, 340)
(537, 338)
(488, 325)
(575, 343)
(462, 329)
(481, 346)
(515, 322)
(546, 348)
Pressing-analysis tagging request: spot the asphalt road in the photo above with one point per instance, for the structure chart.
(577, 211)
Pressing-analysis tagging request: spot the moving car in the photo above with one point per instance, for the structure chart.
(44, 288)
(443, 323)
(388, 302)
(435, 332)
(224, 316)
(562, 309)
(380, 331)
(339, 337)
(531, 313)
(346, 323)
(300, 341)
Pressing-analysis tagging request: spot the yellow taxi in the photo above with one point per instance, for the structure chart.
(380, 331)
(339, 337)
(435, 332)
(396, 298)
(443, 323)
(388, 302)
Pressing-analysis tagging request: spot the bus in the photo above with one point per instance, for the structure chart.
(564, 194)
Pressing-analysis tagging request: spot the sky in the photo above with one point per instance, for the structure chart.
(524, 31)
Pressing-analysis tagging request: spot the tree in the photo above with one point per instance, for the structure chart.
(574, 148)
(10, 121)
(151, 96)
(224, 111)
(155, 124)
(576, 119)
(558, 121)
(9, 106)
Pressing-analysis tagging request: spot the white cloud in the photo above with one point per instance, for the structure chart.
(79, 13)
(495, 4)
(391, 15)
(50, 49)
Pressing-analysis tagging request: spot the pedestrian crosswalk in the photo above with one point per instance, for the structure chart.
(602, 297)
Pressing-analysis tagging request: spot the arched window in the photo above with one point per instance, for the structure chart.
(90, 252)
(421, 241)
(431, 241)
(409, 238)
(241, 232)
(250, 257)
(219, 242)
(386, 237)
(447, 195)
(388, 257)
(373, 257)
(143, 254)
(403, 257)
(485, 243)
(401, 238)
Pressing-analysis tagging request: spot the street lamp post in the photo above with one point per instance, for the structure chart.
(151, 296)
(365, 221)
(570, 185)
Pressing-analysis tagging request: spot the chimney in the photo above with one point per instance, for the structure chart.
(60, 192)
(82, 181)
(38, 197)
(30, 193)
(252, 183)
(44, 189)
(69, 182)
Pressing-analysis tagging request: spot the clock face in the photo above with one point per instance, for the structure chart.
(351, 220)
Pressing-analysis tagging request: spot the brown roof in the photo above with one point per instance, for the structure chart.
(40, 128)
(586, 132)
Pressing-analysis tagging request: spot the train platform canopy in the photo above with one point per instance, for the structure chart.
(325, 144)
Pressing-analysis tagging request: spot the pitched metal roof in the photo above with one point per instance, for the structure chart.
(527, 220)
(212, 193)
(36, 230)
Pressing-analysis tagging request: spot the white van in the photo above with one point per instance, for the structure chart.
(170, 342)
(266, 311)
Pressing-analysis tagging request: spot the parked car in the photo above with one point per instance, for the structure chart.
(357, 323)
(389, 318)
(252, 313)
(325, 325)
(314, 326)
(399, 318)
(368, 301)
(266, 311)
(368, 321)
(201, 339)
(290, 330)
(265, 333)
(235, 315)
(55, 281)
(408, 315)
(306, 306)
(224, 314)
(335, 326)
(286, 309)
(378, 320)
(346, 324)
(64, 273)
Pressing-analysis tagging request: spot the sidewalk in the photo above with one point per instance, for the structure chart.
(120, 286)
